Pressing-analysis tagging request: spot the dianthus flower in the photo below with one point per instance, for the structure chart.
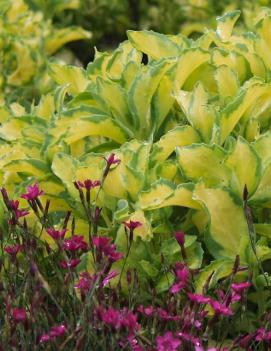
(200, 299)
(167, 342)
(109, 276)
(129, 320)
(146, 311)
(57, 330)
(132, 225)
(56, 234)
(221, 309)
(14, 204)
(240, 287)
(19, 315)
(75, 243)
(33, 192)
(13, 250)
(263, 335)
(89, 184)
(74, 262)
(190, 338)
(163, 314)
(111, 317)
(85, 282)
(111, 160)
(104, 247)
(180, 237)
(182, 277)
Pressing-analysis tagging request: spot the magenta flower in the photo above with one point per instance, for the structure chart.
(111, 317)
(133, 343)
(33, 192)
(56, 234)
(146, 311)
(14, 204)
(70, 264)
(13, 250)
(88, 184)
(245, 341)
(200, 299)
(85, 282)
(57, 330)
(234, 296)
(129, 320)
(180, 237)
(182, 277)
(75, 243)
(132, 225)
(109, 276)
(239, 288)
(105, 248)
(163, 314)
(182, 272)
(100, 242)
(19, 315)
(167, 342)
(44, 338)
(221, 309)
(190, 338)
(112, 160)
(263, 335)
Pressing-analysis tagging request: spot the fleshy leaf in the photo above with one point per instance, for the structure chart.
(155, 45)
(225, 237)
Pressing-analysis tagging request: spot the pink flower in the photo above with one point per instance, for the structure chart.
(88, 184)
(221, 308)
(19, 315)
(163, 314)
(85, 282)
(132, 225)
(146, 311)
(167, 342)
(179, 236)
(14, 204)
(111, 317)
(104, 248)
(100, 242)
(198, 298)
(187, 337)
(57, 330)
(235, 297)
(70, 264)
(263, 335)
(240, 287)
(129, 321)
(44, 338)
(56, 234)
(54, 332)
(33, 192)
(13, 250)
(245, 341)
(109, 276)
(182, 277)
(111, 160)
(75, 243)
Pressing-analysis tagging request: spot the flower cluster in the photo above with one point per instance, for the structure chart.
(106, 312)
(104, 249)
(54, 332)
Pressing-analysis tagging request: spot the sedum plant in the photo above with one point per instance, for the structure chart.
(207, 99)
(27, 40)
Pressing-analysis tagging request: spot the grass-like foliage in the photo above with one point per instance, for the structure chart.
(52, 300)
